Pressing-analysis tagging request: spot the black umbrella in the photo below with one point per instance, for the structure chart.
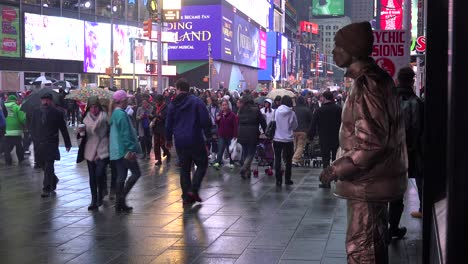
(33, 101)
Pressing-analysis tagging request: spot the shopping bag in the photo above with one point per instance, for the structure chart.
(235, 149)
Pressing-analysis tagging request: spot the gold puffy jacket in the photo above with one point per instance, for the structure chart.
(372, 160)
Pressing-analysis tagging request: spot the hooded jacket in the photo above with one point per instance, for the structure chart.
(15, 120)
(286, 123)
(188, 121)
(250, 118)
(372, 161)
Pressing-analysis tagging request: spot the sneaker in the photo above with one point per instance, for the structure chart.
(216, 165)
(27, 152)
(325, 186)
(231, 166)
(295, 164)
(45, 194)
(416, 214)
(158, 163)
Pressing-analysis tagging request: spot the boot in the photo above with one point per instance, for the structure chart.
(94, 204)
(121, 206)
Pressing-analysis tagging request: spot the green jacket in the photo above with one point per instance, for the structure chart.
(15, 120)
(123, 137)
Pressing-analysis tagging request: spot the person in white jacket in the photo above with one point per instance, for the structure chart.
(267, 111)
(286, 123)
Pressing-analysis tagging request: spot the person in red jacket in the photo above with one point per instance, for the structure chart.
(226, 120)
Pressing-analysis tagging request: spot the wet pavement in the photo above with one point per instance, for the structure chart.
(239, 221)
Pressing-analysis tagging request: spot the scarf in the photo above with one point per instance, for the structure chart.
(96, 124)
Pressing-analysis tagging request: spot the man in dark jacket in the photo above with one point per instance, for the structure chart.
(188, 121)
(327, 121)
(250, 118)
(412, 113)
(304, 118)
(45, 125)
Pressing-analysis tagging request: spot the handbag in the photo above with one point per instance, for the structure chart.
(271, 128)
(81, 149)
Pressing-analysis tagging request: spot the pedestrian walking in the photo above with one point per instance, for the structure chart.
(371, 170)
(189, 122)
(159, 130)
(96, 152)
(226, 122)
(286, 123)
(144, 116)
(45, 126)
(304, 119)
(326, 122)
(250, 118)
(213, 110)
(15, 121)
(123, 148)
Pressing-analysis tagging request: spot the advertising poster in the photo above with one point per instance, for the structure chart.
(10, 37)
(284, 57)
(241, 40)
(391, 50)
(97, 47)
(327, 7)
(199, 25)
(263, 50)
(391, 14)
(50, 37)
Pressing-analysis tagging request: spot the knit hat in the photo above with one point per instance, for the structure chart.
(11, 98)
(120, 95)
(357, 39)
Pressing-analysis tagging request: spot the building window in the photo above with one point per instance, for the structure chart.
(51, 3)
(32, 2)
(132, 10)
(103, 8)
(335, 27)
(70, 4)
(88, 7)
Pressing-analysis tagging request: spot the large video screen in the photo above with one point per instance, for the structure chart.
(50, 37)
(97, 47)
(241, 40)
(10, 38)
(327, 7)
(199, 25)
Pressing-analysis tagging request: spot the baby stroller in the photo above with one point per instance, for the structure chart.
(312, 154)
(265, 156)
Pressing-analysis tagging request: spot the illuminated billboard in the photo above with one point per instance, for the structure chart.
(10, 38)
(241, 40)
(199, 25)
(97, 47)
(51, 37)
(391, 14)
(327, 7)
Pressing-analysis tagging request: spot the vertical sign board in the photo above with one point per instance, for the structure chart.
(10, 38)
(391, 14)
(391, 50)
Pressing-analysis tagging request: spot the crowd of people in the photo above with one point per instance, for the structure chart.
(369, 147)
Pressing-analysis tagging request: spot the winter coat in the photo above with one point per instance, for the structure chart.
(304, 118)
(97, 136)
(44, 126)
(159, 120)
(227, 125)
(372, 162)
(144, 117)
(123, 137)
(326, 121)
(250, 118)
(269, 116)
(286, 123)
(15, 120)
(188, 121)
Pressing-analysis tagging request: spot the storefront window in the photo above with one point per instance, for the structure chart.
(118, 9)
(72, 78)
(32, 2)
(88, 6)
(53, 75)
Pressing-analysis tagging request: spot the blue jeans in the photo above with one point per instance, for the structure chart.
(248, 153)
(188, 156)
(122, 166)
(97, 177)
(223, 144)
